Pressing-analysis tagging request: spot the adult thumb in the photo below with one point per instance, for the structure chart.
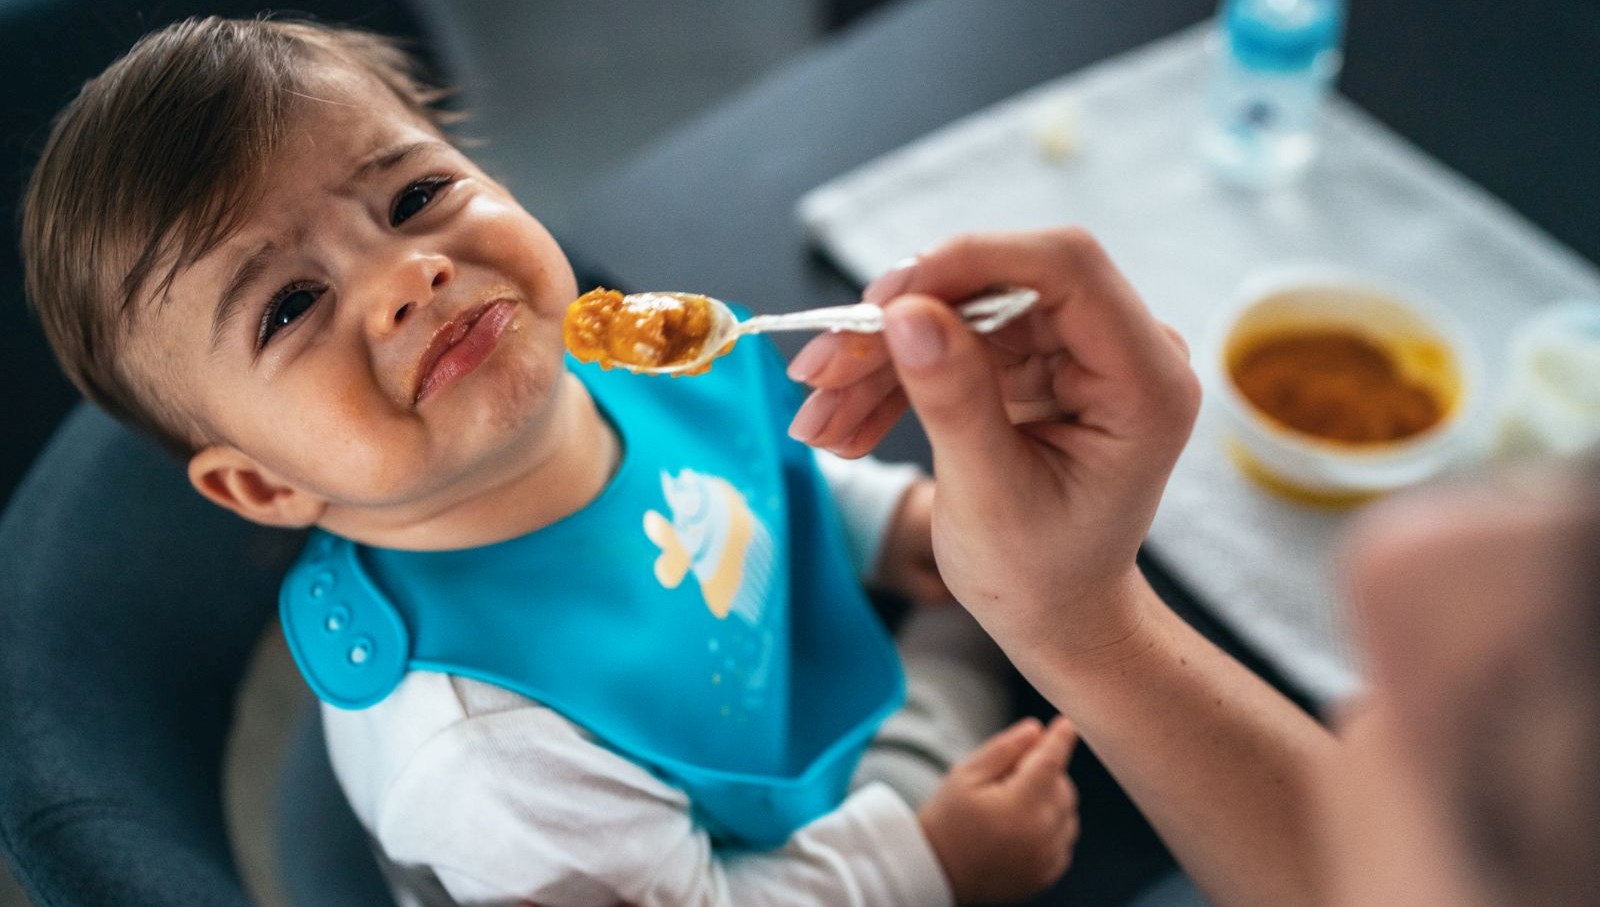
(948, 378)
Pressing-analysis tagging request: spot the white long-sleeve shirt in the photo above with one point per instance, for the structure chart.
(478, 795)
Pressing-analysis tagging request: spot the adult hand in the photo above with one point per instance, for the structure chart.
(1052, 439)
(906, 563)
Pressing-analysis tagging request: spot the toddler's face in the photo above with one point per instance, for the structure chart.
(384, 331)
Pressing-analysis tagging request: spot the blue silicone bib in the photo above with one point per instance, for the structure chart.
(700, 616)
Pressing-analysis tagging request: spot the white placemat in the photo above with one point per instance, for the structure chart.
(1112, 148)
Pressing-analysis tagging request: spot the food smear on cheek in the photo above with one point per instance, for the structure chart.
(1336, 385)
(640, 330)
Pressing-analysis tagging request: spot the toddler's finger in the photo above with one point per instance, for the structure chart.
(1068, 795)
(995, 757)
(1063, 798)
(1048, 758)
(1067, 841)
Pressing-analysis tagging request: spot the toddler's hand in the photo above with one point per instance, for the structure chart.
(1005, 821)
(906, 564)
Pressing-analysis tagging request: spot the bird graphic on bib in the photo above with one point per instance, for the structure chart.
(713, 534)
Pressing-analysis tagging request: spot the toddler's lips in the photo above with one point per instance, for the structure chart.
(461, 345)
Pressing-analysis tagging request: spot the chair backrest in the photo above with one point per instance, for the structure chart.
(326, 856)
(130, 609)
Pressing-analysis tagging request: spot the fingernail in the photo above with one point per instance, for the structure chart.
(809, 360)
(813, 415)
(891, 283)
(914, 339)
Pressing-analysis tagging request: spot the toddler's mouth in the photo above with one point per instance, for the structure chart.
(461, 345)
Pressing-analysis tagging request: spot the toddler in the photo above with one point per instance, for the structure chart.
(582, 638)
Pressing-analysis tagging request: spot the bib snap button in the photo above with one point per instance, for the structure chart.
(337, 619)
(322, 584)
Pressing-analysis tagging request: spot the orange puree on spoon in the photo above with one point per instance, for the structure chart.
(637, 331)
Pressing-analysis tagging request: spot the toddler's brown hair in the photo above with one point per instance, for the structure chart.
(152, 166)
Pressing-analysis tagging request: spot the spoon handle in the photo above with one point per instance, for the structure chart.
(983, 314)
(860, 318)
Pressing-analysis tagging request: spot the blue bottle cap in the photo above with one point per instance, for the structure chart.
(1282, 35)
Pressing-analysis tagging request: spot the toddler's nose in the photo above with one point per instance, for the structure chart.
(415, 288)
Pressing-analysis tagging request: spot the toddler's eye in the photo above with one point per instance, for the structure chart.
(289, 304)
(415, 197)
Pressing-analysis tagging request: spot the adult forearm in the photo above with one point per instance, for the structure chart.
(1223, 765)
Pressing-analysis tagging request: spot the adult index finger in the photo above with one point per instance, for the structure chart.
(1086, 305)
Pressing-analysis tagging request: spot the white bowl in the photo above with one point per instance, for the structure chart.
(1431, 345)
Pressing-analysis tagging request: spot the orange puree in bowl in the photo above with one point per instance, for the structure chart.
(643, 330)
(1335, 384)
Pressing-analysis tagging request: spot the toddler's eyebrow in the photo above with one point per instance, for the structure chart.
(228, 305)
(393, 156)
(251, 267)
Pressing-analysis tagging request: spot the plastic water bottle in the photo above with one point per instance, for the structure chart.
(1274, 64)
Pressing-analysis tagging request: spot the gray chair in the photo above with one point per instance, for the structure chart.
(131, 609)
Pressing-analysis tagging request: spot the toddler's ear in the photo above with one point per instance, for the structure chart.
(230, 478)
